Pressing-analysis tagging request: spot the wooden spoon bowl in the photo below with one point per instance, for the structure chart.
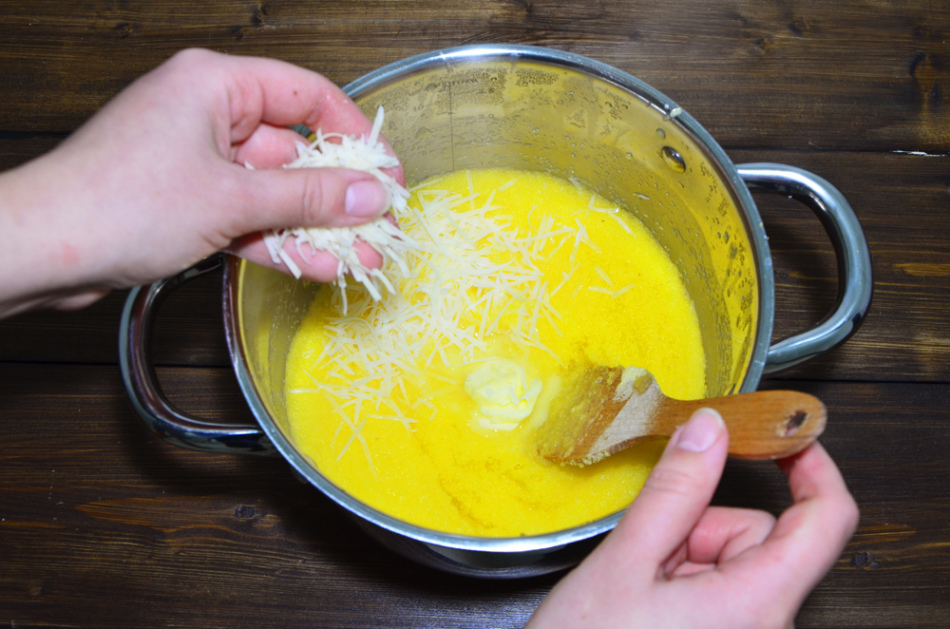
(602, 410)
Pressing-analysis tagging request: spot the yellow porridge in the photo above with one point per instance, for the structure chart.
(422, 404)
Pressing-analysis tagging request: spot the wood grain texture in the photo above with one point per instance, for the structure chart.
(102, 525)
(91, 503)
(865, 74)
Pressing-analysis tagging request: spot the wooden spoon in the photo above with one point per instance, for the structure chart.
(601, 410)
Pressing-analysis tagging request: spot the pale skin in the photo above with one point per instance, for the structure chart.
(156, 181)
(675, 561)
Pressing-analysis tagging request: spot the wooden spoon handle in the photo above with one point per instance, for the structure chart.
(762, 425)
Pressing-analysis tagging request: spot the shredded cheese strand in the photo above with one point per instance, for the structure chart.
(473, 275)
(336, 150)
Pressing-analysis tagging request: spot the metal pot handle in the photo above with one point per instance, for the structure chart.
(851, 247)
(142, 385)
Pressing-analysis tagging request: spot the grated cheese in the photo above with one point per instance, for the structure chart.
(604, 277)
(336, 150)
(472, 275)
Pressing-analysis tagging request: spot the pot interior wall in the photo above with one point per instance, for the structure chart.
(272, 305)
(530, 115)
(535, 116)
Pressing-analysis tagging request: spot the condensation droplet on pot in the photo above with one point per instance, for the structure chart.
(673, 113)
(673, 159)
(629, 156)
(660, 133)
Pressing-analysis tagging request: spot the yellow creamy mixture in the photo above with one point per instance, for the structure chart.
(422, 404)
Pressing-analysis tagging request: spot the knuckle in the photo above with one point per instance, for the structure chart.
(318, 199)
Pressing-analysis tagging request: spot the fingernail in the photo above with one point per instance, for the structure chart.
(701, 431)
(365, 198)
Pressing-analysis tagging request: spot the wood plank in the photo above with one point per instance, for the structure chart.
(858, 74)
(91, 503)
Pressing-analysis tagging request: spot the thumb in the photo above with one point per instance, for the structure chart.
(676, 493)
(308, 197)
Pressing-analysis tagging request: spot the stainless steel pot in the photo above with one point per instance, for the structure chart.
(535, 109)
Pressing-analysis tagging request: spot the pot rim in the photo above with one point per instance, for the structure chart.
(597, 70)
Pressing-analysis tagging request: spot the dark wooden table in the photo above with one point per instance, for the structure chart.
(103, 525)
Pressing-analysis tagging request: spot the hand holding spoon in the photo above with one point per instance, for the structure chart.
(602, 410)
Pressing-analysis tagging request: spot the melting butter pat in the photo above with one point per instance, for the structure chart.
(502, 393)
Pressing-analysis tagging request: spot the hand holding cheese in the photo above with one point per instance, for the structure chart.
(157, 180)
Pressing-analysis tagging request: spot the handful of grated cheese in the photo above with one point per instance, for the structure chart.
(368, 154)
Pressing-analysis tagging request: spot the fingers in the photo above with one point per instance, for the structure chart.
(813, 474)
(676, 493)
(615, 584)
(268, 147)
(318, 197)
(282, 94)
(807, 539)
(306, 197)
(720, 535)
(317, 266)
(824, 516)
(270, 93)
(820, 523)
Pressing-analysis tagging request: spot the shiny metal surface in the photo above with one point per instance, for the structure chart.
(855, 284)
(539, 109)
(142, 386)
(548, 110)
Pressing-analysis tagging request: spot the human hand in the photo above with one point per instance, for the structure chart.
(674, 561)
(156, 181)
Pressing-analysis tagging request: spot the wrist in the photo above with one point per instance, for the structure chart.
(43, 262)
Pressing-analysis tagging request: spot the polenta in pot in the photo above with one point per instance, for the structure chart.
(422, 404)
